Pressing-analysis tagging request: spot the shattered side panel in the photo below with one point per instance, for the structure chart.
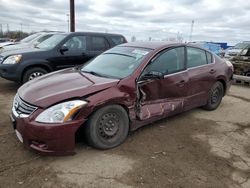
(161, 98)
(161, 108)
(123, 94)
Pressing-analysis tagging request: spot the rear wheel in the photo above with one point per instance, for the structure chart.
(215, 96)
(32, 73)
(108, 127)
(247, 74)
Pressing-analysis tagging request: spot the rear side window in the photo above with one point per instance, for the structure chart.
(117, 39)
(209, 58)
(196, 57)
(99, 43)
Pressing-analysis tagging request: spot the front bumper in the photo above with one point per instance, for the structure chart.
(56, 139)
(10, 72)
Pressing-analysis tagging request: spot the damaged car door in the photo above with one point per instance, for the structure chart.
(162, 86)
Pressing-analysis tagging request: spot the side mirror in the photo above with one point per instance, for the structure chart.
(153, 75)
(64, 49)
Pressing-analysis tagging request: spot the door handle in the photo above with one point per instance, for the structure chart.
(212, 71)
(181, 83)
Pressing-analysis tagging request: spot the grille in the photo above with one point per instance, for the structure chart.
(23, 108)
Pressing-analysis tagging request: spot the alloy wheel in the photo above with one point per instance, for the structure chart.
(35, 75)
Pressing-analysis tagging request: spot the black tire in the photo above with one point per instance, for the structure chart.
(215, 96)
(33, 73)
(108, 127)
(247, 74)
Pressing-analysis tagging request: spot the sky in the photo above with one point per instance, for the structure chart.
(214, 20)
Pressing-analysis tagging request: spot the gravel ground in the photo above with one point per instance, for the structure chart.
(194, 149)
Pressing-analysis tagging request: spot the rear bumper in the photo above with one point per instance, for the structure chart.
(48, 139)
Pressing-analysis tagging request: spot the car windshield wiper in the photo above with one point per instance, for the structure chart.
(98, 74)
(93, 73)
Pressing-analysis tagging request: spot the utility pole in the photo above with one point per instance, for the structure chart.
(191, 31)
(68, 22)
(21, 31)
(1, 30)
(72, 15)
(8, 29)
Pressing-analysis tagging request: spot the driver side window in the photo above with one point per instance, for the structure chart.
(169, 61)
(76, 43)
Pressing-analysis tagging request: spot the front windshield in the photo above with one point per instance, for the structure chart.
(31, 37)
(118, 62)
(52, 41)
(241, 46)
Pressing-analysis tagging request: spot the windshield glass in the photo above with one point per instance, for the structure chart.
(241, 46)
(52, 41)
(118, 62)
(31, 37)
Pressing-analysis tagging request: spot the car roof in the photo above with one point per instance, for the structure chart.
(151, 45)
(95, 33)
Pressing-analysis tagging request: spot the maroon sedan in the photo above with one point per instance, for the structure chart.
(122, 89)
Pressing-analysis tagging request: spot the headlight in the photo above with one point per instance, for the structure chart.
(62, 112)
(13, 59)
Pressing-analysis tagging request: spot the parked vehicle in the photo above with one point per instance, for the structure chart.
(241, 62)
(27, 42)
(122, 89)
(62, 50)
(213, 47)
(235, 50)
(4, 40)
(26, 39)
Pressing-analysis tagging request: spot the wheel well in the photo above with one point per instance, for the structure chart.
(122, 105)
(80, 131)
(224, 85)
(33, 66)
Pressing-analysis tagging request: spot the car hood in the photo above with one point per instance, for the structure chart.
(17, 49)
(6, 44)
(233, 51)
(62, 85)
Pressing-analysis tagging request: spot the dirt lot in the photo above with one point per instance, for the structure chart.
(194, 149)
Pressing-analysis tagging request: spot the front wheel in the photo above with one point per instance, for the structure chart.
(108, 127)
(215, 96)
(247, 74)
(32, 73)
